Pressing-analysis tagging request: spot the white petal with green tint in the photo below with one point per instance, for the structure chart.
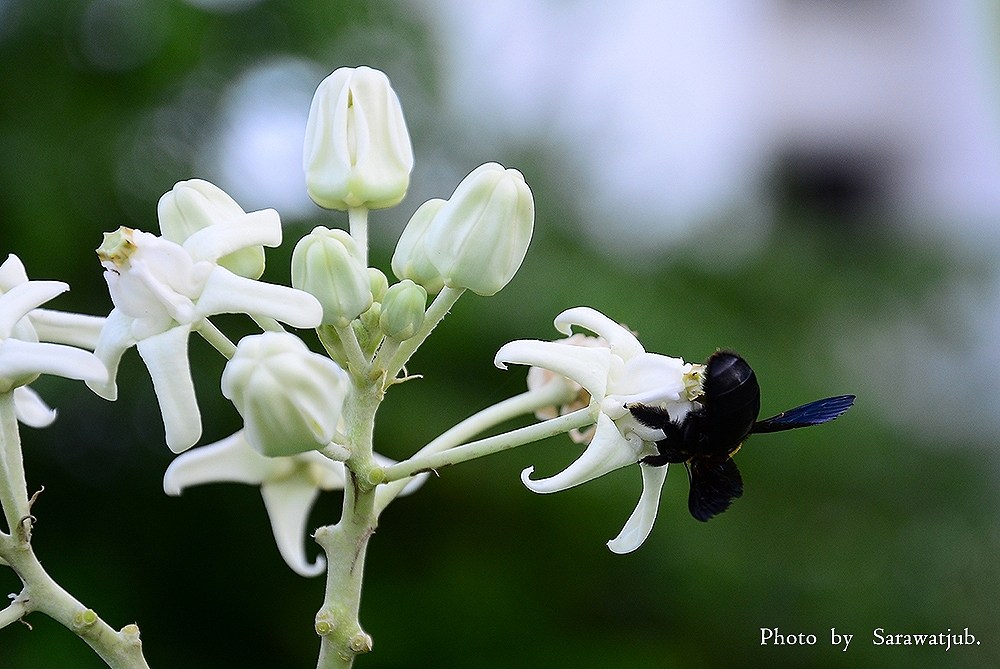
(609, 450)
(226, 292)
(21, 361)
(62, 327)
(16, 302)
(115, 338)
(30, 409)
(640, 523)
(621, 342)
(288, 502)
(166, 358)
(587, 366)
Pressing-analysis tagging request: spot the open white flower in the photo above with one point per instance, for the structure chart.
(33, 341)
(163, 289)
(288, 484)
(615, 371)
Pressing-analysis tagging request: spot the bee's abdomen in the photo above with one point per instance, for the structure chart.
(732, 400)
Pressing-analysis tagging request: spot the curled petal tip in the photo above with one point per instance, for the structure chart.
(543, 486)
(306, 569)
(527, 480)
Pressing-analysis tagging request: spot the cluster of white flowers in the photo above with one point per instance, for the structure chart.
(208, 260)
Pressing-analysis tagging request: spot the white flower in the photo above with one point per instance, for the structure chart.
(478, 238)
(615, 372)
(357, 150)
(163, 289)
(289, 486)
(32, 341)
(325, 264)
(289, 397)
(410, 260)
(196, 204)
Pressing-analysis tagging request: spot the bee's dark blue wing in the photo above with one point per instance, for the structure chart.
(814, 413)
(714, 486)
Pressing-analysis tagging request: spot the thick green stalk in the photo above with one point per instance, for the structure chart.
(346, 543)
(119, 649)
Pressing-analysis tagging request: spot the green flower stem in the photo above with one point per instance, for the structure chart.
(119, 649)
(552, 394)
(13, 613)
(357, 218)
(435, 314)
(491, 445)
(268, 324)
(346, 543)
(356, 359)
(216, 338)
(13, 487)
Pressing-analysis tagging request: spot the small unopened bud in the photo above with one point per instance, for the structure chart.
(196, 204)
(403, 310)
(325, 264)
(289, 397)
(379, 284)
(409, 260)
(357, 149)
(479, 237)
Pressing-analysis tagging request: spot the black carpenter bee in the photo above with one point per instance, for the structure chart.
(710, 434)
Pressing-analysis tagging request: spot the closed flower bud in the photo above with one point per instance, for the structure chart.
(196, 204)
(289, 397)
(480, 235)
(379, 284)
(325, 264)
(403, 310)
(357, 149)
(410, 261)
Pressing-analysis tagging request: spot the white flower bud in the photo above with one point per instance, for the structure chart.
(289, 397)
(379, 283)
(480, 235)
(409, 260)
(325, 264)
(196, 204)
(357, 149)
(403, 309)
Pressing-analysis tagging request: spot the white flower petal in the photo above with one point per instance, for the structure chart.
(288, 503)
(622, 342)
(587, 366)
(640, 523)
(62, 327)
(21, 358)
(230, 459)
(30, 409)
(227, 293)
(166, 358)
(22, 298)
(258, 228)
(12, 273)
(116, 337)
(649, 378)
(608, 451)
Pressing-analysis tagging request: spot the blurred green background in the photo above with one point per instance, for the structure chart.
(884, 519)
